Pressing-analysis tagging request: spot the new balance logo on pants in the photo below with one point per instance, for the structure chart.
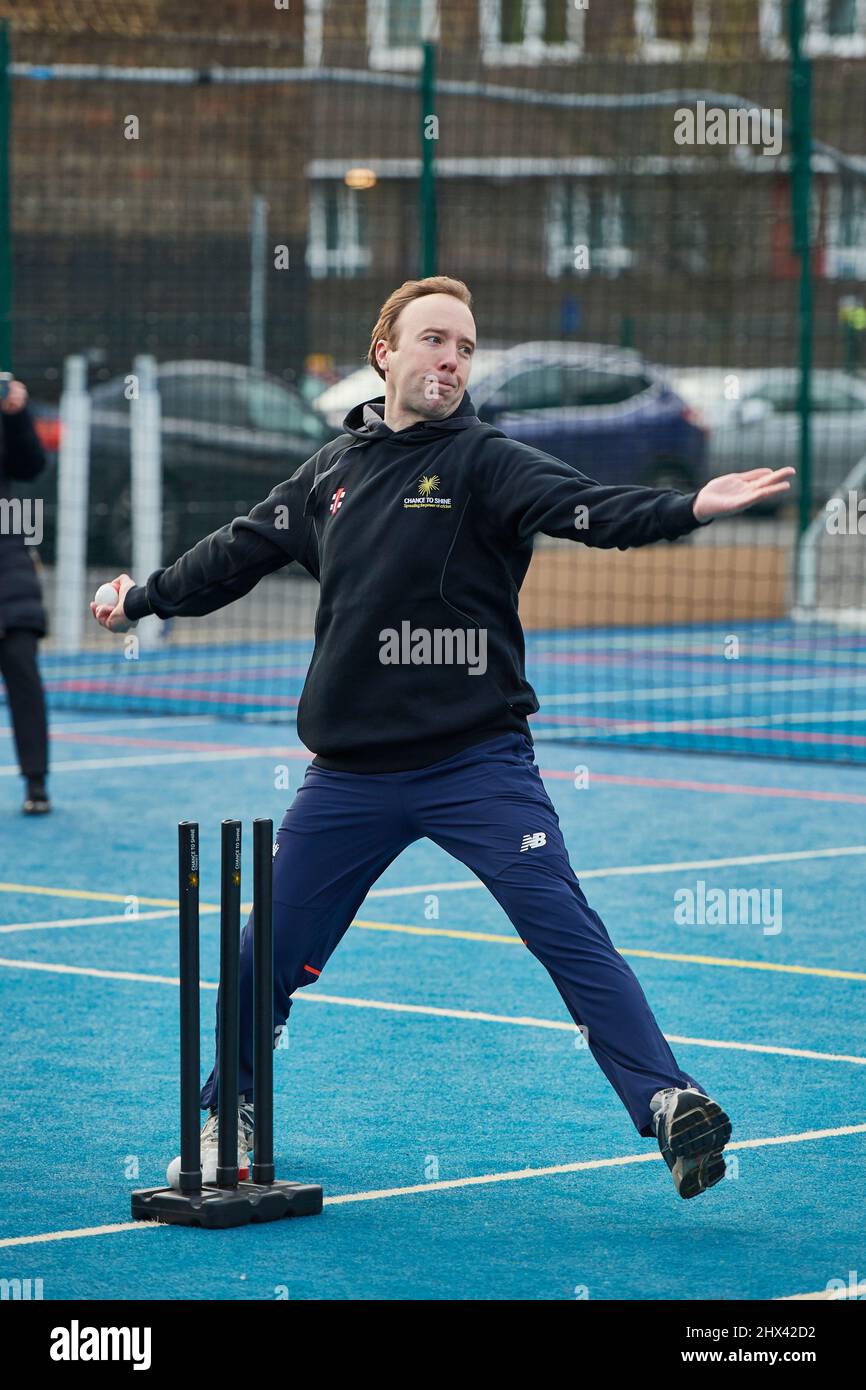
(533, 841)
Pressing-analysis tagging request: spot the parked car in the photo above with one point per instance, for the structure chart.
(604, 410)
(229, 434)
(755, 421)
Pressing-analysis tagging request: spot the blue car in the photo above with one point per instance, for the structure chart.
(603, 410)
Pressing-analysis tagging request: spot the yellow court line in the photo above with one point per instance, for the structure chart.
(623, 951)
(85, 893)
(449, 1184)
(460, 885)
(406, 929)
(454, 932)
(824, 971)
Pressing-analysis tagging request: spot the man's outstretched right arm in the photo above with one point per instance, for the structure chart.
(230, 562)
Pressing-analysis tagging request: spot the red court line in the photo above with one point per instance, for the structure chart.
(246, 673)
(800, 735)
(730, 788)
(826, 652)
(142, 689)
(689, 660)
(179, 745)
(646, 726)
(132, 741)
(609, 779)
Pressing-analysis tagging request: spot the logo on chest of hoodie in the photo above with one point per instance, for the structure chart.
(428, 489)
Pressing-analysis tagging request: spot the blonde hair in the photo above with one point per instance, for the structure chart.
(399, 298)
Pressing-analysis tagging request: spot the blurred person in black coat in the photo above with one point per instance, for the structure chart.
(22, 615)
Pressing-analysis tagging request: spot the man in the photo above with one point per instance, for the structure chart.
(418, 523)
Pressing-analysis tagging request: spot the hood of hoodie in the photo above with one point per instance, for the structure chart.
(367, 422)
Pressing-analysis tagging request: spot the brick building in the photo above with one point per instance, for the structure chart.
(588, 221)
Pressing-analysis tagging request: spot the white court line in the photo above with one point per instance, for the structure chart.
(831, 1295)
(59, 922)
(431, 1011)
(156, 759)
(136, 721)
(450, 1184)
(621, 871)
(588, 1165)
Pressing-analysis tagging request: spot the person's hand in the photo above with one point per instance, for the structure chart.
(114, 618)
(734, 492)
(15, 399)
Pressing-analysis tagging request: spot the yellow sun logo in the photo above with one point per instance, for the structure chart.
(428, 485)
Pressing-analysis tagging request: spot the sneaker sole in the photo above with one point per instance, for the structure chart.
(695, 1140)
(701, 1129)
(694, 1175)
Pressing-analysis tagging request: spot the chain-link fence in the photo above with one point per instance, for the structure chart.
(625, 188)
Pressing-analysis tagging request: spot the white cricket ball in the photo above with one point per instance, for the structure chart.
(106, 594)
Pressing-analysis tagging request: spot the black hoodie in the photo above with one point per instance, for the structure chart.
(420, 540)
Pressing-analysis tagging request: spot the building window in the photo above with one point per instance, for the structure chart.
(396, 30)
(530, 31)
(588, 229)
(837, 28)
(338, 242)
(834, 28)
(671, 30)
(845, 239)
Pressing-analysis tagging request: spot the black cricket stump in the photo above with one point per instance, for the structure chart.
(228, 1201)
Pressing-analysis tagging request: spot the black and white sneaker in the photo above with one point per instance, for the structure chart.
(692, 1130)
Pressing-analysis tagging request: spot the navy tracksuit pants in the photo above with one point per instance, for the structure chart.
(486, 806)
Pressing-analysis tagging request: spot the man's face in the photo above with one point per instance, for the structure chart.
(428, 371)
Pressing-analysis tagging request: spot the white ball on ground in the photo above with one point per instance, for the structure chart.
(105, 594)
(172, 1174)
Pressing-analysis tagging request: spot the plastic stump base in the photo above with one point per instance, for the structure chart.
(217, 1208)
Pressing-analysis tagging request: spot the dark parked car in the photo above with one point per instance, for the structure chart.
(229, 434)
